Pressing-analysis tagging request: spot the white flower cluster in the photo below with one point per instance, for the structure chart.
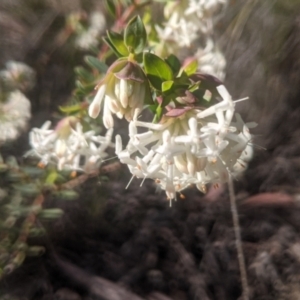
(211, 60)
(190, 24)
(15, 108)
(68, 146)
(14, 115)
(198, 147)
(18, 75)
(89, 38)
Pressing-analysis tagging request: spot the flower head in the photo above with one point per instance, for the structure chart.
(14, 115)
(18, 75)
(89, 37)
(68, 146)
(195, 147)
(123, 90)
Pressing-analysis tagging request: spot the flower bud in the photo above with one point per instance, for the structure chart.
(123, 90)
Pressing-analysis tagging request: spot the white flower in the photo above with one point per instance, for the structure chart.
(178, 30)
(89, 38)
(186, 19)
(14, 115)
(204, 8)
(197, 147)
(18, 75)
(211, 60)
(68, 146)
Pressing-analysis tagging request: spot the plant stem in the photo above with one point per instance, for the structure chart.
(238, 240)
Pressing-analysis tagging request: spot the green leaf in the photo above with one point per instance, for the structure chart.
(51, 213)
(158, 114)
(111, 8)
(71, 108)
(135, 35)
(84, 74)
(52, 177)
(191, 67)
(117, 41)
(29, 189)
(167, 85)
(111, 46)
(157, 70)
(35, 232)
(95, 63)
(79, 84)
(14, 175)
(12, 162)
(174, 63)
(35, 251)
(33, 171)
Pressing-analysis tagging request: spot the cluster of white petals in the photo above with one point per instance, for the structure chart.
(89, 38)
(18, 75)
(178, 31)
(14, 116)
(190, 25)
(186, 20)
(211, 60)
(69, 147)
(196, 148)
(204, 9)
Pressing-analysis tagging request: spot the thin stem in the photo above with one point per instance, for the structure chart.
(238, 240)
(84, 177)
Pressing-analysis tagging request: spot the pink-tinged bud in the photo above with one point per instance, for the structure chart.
(64, 127)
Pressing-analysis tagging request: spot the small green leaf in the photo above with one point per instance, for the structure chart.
(36, 232)
(33, 172)
(174, 63)
(157, 70)
(18, 259)
(167, 85)
(79, 84)
(135, 35)
(14, 175)
(51, 213)
(94, 62)
(71, 108)
(111, 8)
(158, 114)
(111, 46)
(29, 189)
(52, 177)
(84, 74)
(117, 41)
(12, 162)
(193, 87)
(35, 251)
(191, 67)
